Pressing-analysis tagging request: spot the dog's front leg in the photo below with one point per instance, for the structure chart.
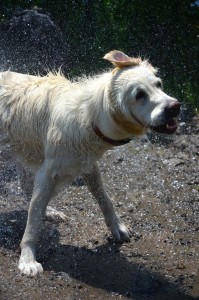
(51, 214)
(95, 185)
(43, 189)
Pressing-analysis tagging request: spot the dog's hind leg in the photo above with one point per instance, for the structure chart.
(43, 189)
(95, 185)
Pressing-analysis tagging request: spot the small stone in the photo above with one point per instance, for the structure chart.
(180, 266)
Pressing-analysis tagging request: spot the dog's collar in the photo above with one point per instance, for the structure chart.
(109, 140)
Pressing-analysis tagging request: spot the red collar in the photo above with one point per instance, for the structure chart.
(109, 140)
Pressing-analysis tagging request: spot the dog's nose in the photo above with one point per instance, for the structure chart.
(173, 109)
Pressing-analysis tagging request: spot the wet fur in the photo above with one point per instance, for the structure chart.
(49, 121)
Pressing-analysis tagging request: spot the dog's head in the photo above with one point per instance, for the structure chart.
(137, 97)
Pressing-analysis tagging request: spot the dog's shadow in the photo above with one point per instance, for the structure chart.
(103, 267)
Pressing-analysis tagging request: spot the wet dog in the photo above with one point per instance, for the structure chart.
(62, 128)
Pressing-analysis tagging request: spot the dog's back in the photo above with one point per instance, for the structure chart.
(26, 109)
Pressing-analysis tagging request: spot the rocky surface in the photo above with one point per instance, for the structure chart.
(155, 189)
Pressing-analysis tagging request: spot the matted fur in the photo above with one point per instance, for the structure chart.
(50, 121)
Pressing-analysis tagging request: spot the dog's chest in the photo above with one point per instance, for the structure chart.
(74, 164)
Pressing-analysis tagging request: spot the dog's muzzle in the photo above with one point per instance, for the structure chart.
(170, 114)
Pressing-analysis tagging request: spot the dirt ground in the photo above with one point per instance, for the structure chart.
(155, 189)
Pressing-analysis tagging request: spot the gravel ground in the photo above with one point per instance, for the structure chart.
(155, 189)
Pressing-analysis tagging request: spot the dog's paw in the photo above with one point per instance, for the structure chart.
(54, 215)
(31, 268)
(120, 232)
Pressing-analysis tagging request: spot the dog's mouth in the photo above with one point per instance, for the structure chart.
(167, 128)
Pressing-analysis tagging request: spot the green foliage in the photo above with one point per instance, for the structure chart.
(186, 92)
(163, 31)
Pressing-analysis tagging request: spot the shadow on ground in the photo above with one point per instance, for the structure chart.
(103, 267)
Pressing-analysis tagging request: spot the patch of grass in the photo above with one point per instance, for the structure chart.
(196, 187)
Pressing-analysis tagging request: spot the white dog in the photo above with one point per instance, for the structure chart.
(64, 127)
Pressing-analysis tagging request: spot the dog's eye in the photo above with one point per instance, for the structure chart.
(159, 85)
(141, 95)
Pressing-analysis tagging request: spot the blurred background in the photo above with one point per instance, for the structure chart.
(39, 35)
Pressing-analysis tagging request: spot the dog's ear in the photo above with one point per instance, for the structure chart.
(121, 60)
